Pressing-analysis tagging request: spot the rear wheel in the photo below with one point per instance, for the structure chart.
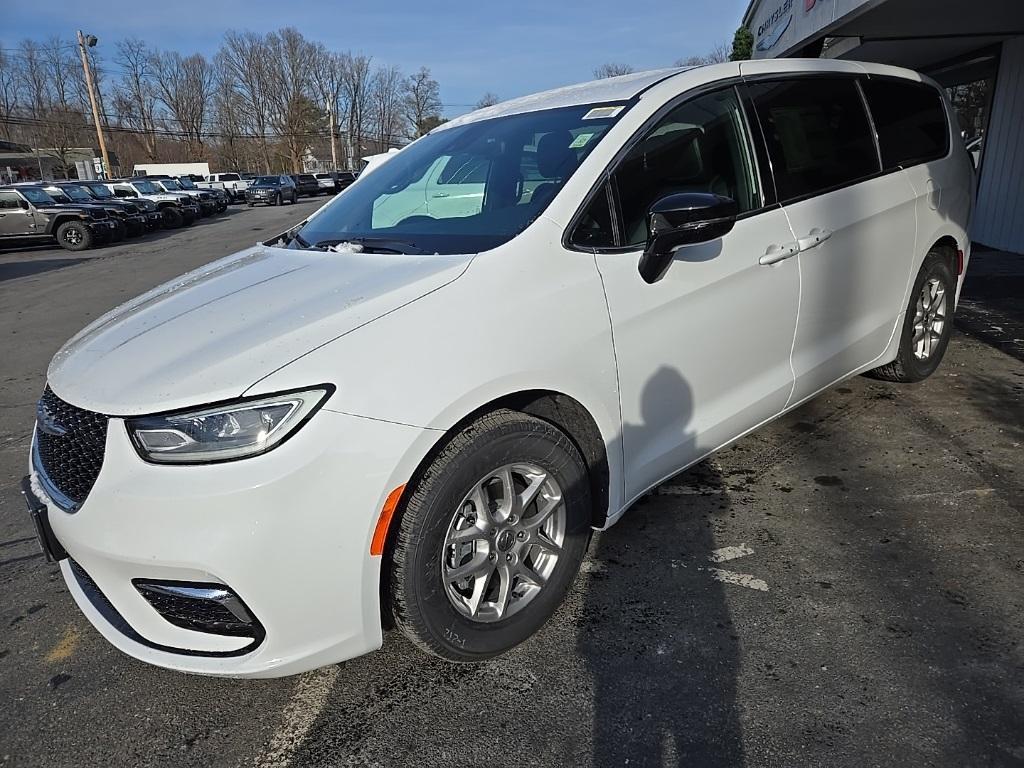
(490, 537)
(927, 326)
(74, 236)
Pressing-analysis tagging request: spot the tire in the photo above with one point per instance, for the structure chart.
(74, 236)
(173, 218)
(436, 504)
(920, 353)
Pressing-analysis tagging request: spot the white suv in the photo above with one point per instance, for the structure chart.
(420, 402)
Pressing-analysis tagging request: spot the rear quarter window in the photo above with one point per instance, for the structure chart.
(817, 132)
(910, 119)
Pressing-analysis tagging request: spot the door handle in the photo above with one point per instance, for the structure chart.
(440, 194)
(777, 253)
(813, 239)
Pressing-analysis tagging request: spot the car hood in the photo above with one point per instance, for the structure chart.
(213, 333)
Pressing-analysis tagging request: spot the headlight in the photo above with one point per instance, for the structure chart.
(227, 431)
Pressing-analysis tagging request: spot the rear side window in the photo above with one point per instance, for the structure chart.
(817, 133)
(910, 120)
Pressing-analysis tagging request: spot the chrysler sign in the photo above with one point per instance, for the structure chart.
(770, 31)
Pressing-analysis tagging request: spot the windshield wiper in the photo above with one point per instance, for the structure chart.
(374, 245)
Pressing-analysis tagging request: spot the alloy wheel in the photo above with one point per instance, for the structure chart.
(929, 318)
(503, 542)
(72, 236)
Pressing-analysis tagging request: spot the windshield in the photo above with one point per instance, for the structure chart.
(59, 196)
(35, 195)
(467, 188)
(267, 181)
(146, 187)
(100, 191)
(187, 183)
(76, 192)
(170, 184)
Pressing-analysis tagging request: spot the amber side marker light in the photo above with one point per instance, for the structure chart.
(380, 533)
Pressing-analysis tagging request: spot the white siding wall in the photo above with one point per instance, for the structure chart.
(999, 213)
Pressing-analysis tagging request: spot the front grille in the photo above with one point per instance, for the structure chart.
(72, 460)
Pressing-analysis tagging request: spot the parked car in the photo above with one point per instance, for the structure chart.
(216, 192)
(334, 181)
(28, 214)
(233, 183)
(178, 209)
(208, 205)
(419, 402)
(305, 184)
(128, 219)
(151, 213)
(272, 190)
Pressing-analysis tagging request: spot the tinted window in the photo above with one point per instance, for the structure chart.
(700, 146)
(910, 120)
(9, 200)
(817, 133)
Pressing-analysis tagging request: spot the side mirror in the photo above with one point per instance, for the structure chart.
(685, 218)
(23, 204)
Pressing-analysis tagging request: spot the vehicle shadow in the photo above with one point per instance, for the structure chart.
(637, 667)
(16, 269)
(656, 633)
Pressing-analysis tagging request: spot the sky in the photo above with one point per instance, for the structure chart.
(507, 48)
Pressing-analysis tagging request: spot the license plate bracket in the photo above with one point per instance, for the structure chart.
(48, 542)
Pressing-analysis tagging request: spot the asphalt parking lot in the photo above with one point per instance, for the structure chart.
(844, 587)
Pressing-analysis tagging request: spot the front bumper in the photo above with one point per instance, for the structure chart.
(288, 532)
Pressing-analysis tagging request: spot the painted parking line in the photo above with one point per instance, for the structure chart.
(725, 554)
(63, 650)
(307, 702)
(739, 579)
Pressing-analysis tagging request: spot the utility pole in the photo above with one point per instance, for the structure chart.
(334, 145)
(91, 41)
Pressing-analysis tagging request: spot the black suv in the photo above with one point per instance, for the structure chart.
(305, 184)
(128, 219)
(149, 210)
(272, 190)
(28, 213)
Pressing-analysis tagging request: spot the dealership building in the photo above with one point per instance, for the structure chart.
(974, 49)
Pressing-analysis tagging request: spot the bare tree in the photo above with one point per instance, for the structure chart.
(423, 102)
(612, 70)
(357, 95)
(244, 56)
(386, 93)
(8, 94)
(489, 99)
(295, 116)
(328, 77)
(135, 95)
(720, 53)
(185, 86)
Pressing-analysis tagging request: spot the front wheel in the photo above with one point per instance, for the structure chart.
(173, 218)
(490, 537)
(74, 236)
(927, 326)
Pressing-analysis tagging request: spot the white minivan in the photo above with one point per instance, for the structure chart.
(415, 406)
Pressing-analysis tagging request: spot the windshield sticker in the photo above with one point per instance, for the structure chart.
(581, 140)
(598, 113)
